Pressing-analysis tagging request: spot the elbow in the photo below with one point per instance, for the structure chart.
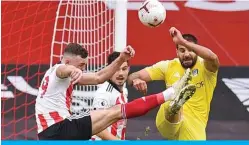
(214, 62)
(100, 81)
(214, 57)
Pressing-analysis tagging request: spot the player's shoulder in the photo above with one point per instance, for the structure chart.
(58, 65)
(170, 61)
(173, 62)
(200, 63)
(52, 73)
(103, 94)
(199, 59)
(106, 87)
(201, 66)
(162, 63)
(54, 67)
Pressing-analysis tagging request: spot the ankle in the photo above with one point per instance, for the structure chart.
(168, 94)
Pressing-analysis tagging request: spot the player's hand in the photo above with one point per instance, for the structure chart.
(128, 53)
(76, 74)
(140, 85)
(176, 35)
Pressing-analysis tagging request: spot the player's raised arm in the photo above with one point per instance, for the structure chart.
(142, 75)
(211, 61)
(155, 72)
(106, 73)
(138, 80)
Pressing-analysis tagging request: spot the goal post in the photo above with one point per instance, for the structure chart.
(121, 25)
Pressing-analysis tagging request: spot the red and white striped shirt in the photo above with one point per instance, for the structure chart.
(54, 99)
(107, 96)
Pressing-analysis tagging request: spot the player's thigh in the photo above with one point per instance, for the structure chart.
(167, 130)
(101, 119)
(97, 115)
(77, 128)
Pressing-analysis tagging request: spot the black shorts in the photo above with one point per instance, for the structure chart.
(73, 129)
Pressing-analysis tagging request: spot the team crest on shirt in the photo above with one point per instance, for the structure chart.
(101, 103)
(195, 72)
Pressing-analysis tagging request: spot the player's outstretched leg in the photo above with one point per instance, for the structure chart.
(101, 119)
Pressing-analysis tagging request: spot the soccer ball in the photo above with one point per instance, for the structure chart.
(152, 13)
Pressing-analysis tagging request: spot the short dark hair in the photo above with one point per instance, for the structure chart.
(190, 38)
(76, 49)
(113, 56)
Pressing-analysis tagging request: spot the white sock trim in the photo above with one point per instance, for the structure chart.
(168, 94)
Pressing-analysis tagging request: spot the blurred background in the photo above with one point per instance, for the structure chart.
(34, 34)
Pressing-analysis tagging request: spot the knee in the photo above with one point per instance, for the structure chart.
(167, 130)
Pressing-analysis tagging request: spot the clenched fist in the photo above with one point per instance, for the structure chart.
(176, 35)
(128, 53)
(140, 85)
(76, 74)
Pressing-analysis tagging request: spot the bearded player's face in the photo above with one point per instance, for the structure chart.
(187, 57)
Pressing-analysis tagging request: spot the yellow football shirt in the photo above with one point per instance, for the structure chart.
(196, 109)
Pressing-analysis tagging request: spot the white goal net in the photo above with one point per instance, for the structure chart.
(90, 23)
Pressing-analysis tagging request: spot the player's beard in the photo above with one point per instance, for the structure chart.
(188, 62)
